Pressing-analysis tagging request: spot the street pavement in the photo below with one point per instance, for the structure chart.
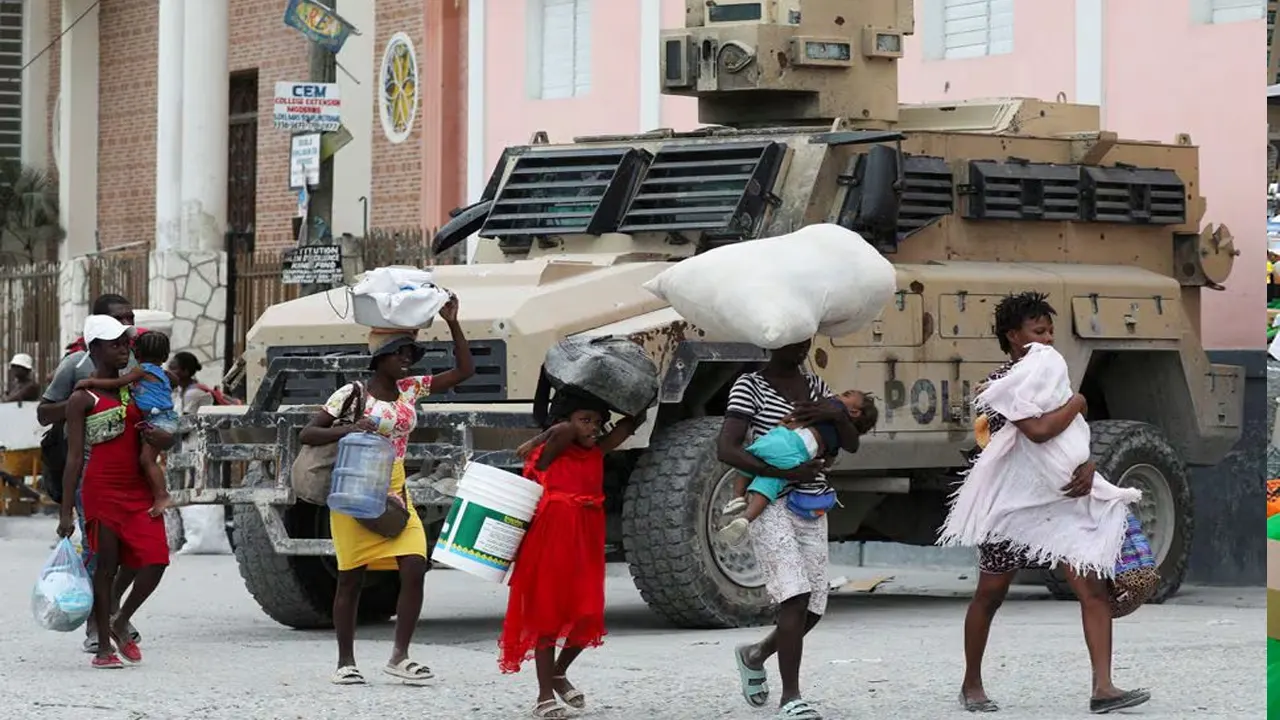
(891, 654)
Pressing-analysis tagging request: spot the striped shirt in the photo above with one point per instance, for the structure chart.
(755, 400)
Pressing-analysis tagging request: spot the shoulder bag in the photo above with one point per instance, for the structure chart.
(393, 519)
(312, 473)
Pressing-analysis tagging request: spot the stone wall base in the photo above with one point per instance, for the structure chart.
(192, 284)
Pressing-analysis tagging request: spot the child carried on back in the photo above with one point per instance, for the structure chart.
(789, 446)
(153, 394)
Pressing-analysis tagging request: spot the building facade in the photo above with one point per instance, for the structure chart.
(1195, 66)
(121, 58)
(155, 118)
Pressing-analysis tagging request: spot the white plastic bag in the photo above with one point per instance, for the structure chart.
(397, 297)
(63, 595)
(205, 530)
(777, 291)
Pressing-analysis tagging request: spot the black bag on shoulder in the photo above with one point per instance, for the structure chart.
(53, 460)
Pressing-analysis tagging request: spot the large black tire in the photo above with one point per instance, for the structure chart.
(297, 590)
(1136, 448)
(294, 590)
(666, 533)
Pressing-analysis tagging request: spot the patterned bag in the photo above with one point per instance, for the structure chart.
(1136, 577)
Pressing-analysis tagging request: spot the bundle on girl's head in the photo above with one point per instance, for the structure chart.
(567, 401)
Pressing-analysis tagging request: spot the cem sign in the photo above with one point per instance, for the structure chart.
(307, 107)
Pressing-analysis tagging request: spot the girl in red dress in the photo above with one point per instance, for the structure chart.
(557, 585)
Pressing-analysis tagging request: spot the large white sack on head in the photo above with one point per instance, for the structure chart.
(772, 292)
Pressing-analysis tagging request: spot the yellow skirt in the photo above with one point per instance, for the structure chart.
(358, 547)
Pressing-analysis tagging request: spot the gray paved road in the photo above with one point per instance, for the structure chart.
(212, 654)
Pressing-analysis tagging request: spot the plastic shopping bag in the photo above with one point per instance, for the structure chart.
(204, 530)
(63, 595)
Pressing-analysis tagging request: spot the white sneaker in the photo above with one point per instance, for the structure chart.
(735, 532)
(736, 506)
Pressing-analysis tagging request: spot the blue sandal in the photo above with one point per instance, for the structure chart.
(798, 710)
(755, 683)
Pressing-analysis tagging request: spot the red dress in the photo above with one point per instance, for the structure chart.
(557, 584)
(116, 495)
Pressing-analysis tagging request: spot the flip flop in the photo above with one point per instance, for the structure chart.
(549, 709)
(755, 683)
(978, 705)
(129, 650)
(798, 710)
(735, 506)
(1130, 698)
(110, 662)
(574, 698)
(347, 675)
(409, 672)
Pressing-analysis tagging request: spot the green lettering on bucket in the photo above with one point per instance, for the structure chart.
(484, 534)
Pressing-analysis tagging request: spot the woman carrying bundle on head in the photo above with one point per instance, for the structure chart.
(387, 405)
(557, 582)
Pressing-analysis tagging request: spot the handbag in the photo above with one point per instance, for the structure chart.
(1136, 577)
(810, 506)
(312, 473)
(393, 519)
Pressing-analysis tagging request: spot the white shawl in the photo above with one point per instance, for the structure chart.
(1013, 493)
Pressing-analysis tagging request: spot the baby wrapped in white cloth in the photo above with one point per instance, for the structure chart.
(1014, 493)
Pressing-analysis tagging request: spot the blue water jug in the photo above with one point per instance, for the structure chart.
(362, 475)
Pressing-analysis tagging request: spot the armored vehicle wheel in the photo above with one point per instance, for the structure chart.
(1135, 454)
(670, 512)
(297, 590)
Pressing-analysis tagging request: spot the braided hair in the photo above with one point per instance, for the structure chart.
(1015, 310)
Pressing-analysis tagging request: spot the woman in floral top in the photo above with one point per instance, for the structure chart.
(390, 409)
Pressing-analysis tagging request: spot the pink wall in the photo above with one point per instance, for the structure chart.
(1158, 81)
(1205, 80)
(611, 106)
(1041, 30)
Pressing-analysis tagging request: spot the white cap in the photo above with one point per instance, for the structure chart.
(23, 360)
(104, 327)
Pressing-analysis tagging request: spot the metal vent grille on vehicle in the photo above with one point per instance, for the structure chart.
(565, 192)
(926, 194)
(1133, 196)
(319, 379)
(718, 191)
(1017, 190)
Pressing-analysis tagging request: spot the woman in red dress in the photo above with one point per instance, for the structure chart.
(119, 528)
(557, 584)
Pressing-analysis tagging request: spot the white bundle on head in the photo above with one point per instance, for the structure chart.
(773, 292)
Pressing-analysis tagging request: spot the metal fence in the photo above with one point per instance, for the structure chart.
(29, 314)
(255, 274)
(123, 272)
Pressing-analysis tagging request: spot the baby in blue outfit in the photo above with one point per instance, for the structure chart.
(788, 446)
(153, 394)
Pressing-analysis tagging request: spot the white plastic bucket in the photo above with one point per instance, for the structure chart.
(487, 522)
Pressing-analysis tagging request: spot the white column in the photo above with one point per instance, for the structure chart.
(650, 66)
(205, 81)
(353, 166)
(169, 71)
(1091, 54)
(78, 121)
(35, 84)
(477, 163)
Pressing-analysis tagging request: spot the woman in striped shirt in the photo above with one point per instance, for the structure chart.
(791, 550)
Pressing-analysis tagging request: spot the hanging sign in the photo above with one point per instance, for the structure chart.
(312, 265)
(304, 161)
(318, 23)
(310, 107)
